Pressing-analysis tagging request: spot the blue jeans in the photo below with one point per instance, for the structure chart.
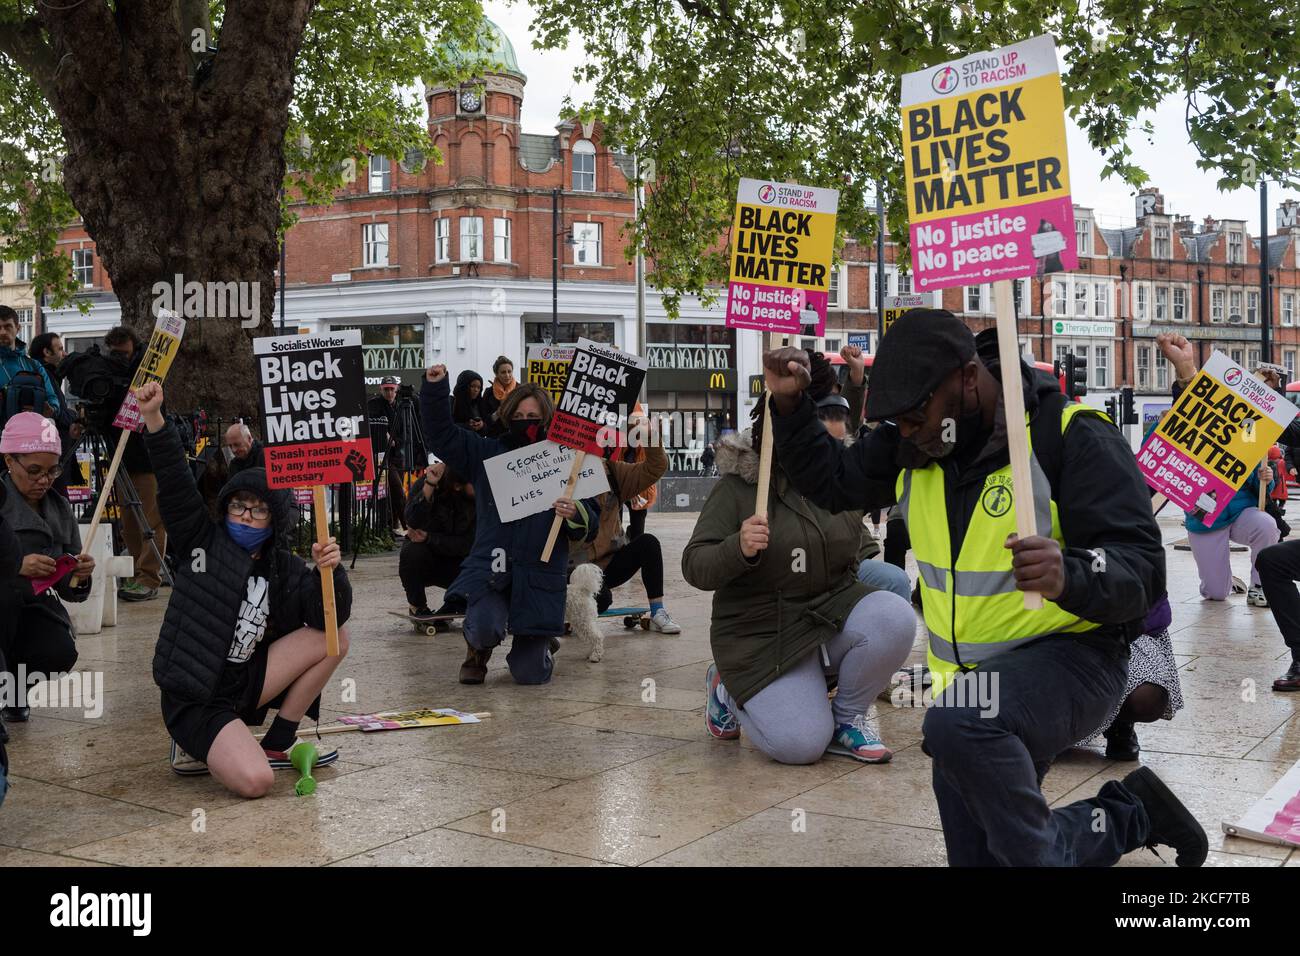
(486, 617)
(886, 577)
(988, 766)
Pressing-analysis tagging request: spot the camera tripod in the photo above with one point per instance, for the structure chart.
(123, 491)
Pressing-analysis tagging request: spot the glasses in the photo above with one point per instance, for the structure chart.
(36, 472)
(237, 509)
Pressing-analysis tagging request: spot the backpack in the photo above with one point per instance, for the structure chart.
(24, 390)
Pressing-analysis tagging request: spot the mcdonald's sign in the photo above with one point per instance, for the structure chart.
(718, 381)
(756, 385)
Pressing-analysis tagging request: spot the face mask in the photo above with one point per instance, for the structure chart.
(527, 430)
(246, 536)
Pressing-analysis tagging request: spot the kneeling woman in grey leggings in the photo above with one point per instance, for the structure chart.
(789, 612)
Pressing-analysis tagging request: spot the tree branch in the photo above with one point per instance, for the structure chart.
(24, 43)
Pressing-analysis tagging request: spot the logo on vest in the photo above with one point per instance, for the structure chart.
(996, 500)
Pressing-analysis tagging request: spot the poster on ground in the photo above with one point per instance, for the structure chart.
(783, 237)
(314, 425)
(1213, 438)
(988, 185)
(599, 393)
(1275, 817)
(164, 343)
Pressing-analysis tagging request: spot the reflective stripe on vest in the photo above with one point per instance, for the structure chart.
(990, 615)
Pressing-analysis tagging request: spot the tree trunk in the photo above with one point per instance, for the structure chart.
(178, 177)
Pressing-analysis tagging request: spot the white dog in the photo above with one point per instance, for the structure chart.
(580, 608)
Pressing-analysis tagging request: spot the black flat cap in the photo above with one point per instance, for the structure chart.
(921, 348)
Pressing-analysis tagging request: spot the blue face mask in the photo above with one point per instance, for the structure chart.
(246, 536)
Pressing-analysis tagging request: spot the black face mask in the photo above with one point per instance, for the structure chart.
(525, 431)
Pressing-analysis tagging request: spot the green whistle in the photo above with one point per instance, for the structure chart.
(303, 756)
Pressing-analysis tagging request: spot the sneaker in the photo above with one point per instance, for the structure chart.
(1290, 681)
(1172, 824)
(1122, 741)
(135, 591)
(184, 764)
(664, 624)
(17, 715)
(718, 718)
(279, 759)
(860, 739)
(1255, 596)
(421, 614)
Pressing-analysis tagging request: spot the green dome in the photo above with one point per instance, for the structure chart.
(493, 49)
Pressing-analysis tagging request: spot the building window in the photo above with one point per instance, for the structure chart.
(1100, 293)
(1252, 358)
(1180, 304)
(832, 346)
(1216, 305)
(808, 345)
(1234, 306)
(1018, 288)
(471, 238)
(374, 243)
(23, 271)
(1081, 298)
(904, 283)
(1288, 363)
(1162, 373)
(1236, 356)
(381, 174)
(1083, 236)
(1252, 308)
(1162, 303)
(584, 166)
(1142, 361)
(973, 299)
(1140, 303)
(586, 243)
(26, 328)
(1288, 308)
(83, 267)
(1060, 305)
(1162, 248)
(1236, 246)
(442, 241)
(1101, 366)
(501, 240)
(833, 294)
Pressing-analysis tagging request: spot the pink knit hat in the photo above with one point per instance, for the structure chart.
(28, 433)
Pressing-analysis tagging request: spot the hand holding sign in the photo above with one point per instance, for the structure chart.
(326, 555)
(150, 399)
(565, 508)
(1038, 565)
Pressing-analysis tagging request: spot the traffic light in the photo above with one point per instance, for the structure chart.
(1127, 409)
(1076, 376)
(1112, 409)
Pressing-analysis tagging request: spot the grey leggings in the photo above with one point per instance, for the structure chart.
(791, 720)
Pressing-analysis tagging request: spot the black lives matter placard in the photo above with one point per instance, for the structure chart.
(601, 389)
(314, 426)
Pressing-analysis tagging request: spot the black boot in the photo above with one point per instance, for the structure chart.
(1171, 823)
(474, 670)
(1122, 741)
(1289, 681)
(17, 715)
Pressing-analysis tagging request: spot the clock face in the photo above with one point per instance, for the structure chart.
(470, 101)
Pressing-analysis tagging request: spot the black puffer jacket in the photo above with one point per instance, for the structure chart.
(212, 575)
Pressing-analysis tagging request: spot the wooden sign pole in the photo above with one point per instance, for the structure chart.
(326, 580)
(568, 493)
(1013, 400)
(104, 491)
(765, 447)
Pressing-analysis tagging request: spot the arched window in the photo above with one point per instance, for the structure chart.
(584, 166)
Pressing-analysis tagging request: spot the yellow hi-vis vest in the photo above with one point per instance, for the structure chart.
(972, 607)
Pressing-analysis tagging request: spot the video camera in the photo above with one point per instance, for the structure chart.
(99, 380)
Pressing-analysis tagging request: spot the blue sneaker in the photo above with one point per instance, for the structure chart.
(718, 718)
(860, 739)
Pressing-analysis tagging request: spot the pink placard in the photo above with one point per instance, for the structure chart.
(770, 308)
(1183, 480)
(1033, 239)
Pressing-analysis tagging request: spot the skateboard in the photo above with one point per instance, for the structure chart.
(425, 625)
(631, 616)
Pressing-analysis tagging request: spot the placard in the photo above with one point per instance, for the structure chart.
(527, 481)
(1214, 437)
(600, 392)
(783, 237)
(896, 305)
(164, 343)
(988, 184)
(547, 366)
(314, 425)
